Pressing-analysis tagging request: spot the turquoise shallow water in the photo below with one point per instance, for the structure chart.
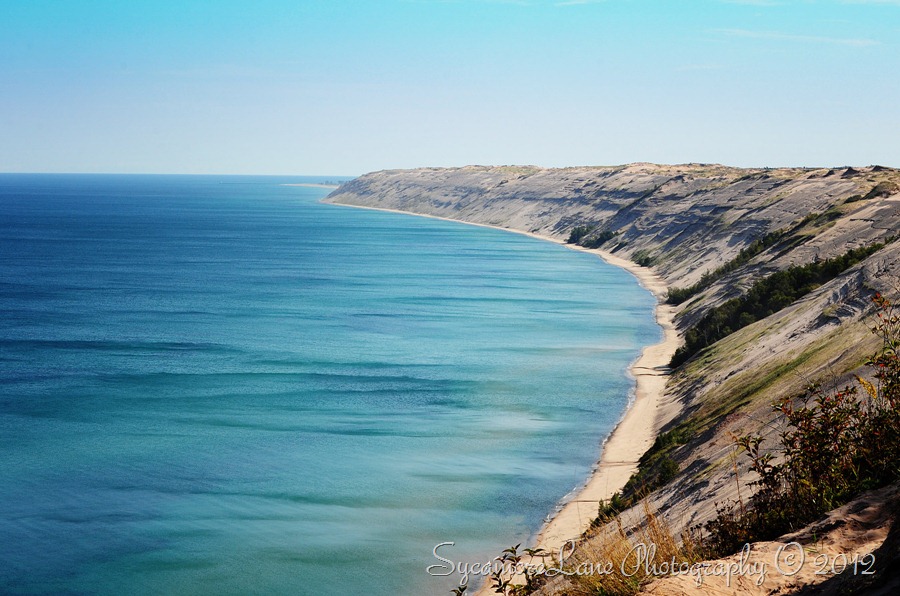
(218, 385)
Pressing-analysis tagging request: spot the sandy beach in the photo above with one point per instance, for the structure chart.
(637, 429)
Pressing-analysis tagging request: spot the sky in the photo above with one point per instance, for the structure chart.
(339, 87)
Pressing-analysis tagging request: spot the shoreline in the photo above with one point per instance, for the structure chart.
(635, 432)
(640, 422)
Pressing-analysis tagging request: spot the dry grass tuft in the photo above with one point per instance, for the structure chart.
(618, 562)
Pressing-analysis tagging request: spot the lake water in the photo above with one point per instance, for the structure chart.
(219, 385)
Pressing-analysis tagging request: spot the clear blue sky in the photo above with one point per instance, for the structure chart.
(344, 87)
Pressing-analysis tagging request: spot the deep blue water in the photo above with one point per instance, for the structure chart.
(218, 385)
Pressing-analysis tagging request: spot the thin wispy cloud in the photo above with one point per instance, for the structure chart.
(778, 36)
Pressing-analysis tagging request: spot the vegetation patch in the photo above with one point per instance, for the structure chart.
(598, 240)
(820, 219)
(644, 258)
(786, 239)
(679, 295)
(836, 445)
(765, 297)
(612, 562)
(585, 236)
(759, 382)
(620, 562)
(577, 233)
(655, 469)
(882, 190)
